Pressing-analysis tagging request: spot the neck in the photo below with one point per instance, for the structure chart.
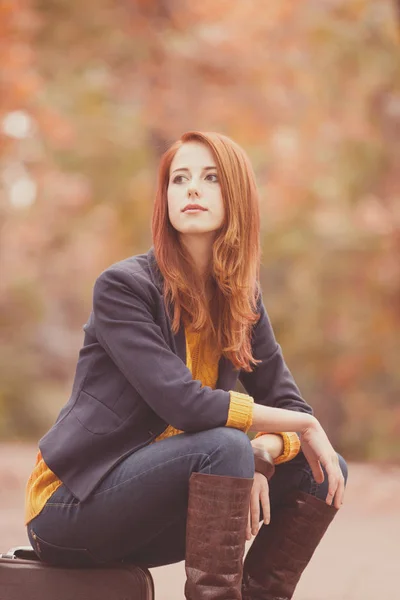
(200, 249)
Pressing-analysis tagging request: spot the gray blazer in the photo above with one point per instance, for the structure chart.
(132, 381)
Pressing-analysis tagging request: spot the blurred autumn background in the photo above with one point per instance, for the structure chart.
(91, 94)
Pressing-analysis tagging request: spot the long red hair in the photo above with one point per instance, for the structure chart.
(227, 320)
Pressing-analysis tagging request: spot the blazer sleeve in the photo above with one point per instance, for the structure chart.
(271, 383)
(126, 328)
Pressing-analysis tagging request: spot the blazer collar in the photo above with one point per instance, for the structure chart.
(227, 376)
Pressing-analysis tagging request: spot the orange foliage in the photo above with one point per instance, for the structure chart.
(310, 89)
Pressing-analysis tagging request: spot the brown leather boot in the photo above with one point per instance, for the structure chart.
(215, 536)
(282, 549)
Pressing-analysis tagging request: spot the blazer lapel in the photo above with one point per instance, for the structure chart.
(178, 338)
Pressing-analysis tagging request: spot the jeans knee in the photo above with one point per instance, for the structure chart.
(301, 461)
(299, 472)
(234, 453)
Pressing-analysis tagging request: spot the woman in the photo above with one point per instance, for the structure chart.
(149, 460)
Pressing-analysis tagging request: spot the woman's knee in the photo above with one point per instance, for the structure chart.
(232, 454)
(297, 473)
(301, 462)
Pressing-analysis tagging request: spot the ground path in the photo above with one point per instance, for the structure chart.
(358, 559)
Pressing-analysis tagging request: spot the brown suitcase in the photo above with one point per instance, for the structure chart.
(24, 577)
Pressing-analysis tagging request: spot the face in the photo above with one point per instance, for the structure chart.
(193, 179)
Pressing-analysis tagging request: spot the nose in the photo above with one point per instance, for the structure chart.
(193, 192)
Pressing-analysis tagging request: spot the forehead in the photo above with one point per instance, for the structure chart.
(193, 155)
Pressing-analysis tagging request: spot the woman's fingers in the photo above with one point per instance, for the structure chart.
(319, 451)
(314, 463)
(336, 483)
(248, 528)
(259, 494)
(339, 497)
(317, 471)
(333, 483)
(255, 510)
(264, 499)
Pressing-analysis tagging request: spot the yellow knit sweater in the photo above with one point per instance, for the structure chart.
(43, 482)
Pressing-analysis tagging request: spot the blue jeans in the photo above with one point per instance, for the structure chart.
(138, 511)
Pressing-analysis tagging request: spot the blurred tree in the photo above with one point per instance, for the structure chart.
(310, 89)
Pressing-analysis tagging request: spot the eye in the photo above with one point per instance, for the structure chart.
(213, 175)
(177, 179)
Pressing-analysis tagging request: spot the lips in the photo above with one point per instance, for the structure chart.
(193, 206)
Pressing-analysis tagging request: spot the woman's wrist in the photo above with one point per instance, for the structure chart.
(313, 425)
(271, 442)
(263, 462)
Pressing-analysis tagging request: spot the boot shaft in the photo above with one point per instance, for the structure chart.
(215, 536)
(282, 549)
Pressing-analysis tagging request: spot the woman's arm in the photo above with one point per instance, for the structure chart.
(271, 419)
(126, 326)
(279, 406)
(282, 446)
(314, 443)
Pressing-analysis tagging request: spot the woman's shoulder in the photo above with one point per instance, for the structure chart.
(137, 271)
(130, 264)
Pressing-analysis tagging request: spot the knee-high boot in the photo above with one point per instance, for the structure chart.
(283, 548)
(215, 536)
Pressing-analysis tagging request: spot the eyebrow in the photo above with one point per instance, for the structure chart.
(188, 170)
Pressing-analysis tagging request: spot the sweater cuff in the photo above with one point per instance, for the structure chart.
(240, 414)
(291, 446)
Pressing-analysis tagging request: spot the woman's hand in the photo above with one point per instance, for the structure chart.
(259, 493)
(266, 448)
(319, 451)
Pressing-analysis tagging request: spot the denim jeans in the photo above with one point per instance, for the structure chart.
(138, 511)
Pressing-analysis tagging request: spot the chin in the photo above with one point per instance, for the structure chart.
(194, 228)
